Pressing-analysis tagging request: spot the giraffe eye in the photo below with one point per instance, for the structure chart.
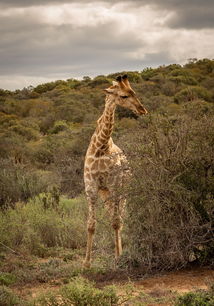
(124, 97)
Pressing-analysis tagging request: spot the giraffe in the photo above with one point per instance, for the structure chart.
(106, 167)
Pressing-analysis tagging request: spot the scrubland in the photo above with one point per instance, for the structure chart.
(44, 134)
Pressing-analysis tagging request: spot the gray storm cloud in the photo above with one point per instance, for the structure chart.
(59, 39)
(193, 14)
(65, 49)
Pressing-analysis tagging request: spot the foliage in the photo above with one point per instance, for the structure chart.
(192, 93)
(44, 222)
(170, 200)
(198, 298)
(7, 278)
(44, 134)
(80, 292)
(49, 127)
(8, 298)
(19, 183)
(59, 126)
(83, 292)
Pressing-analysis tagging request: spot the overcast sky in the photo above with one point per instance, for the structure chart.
(45, 40)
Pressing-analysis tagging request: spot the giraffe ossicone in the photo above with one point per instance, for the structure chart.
(106, 167)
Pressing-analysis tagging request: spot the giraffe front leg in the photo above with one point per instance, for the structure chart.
(117, 230)
(91, 229)
(117, 226)
(118, 243)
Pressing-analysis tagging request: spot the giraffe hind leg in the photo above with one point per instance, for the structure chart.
(91, 230)
(115, 209)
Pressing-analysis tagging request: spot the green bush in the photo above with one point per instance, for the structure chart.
(59, 126)
(198, 298)
(192, 93)
(43, 223)
(51, 221)
(80, 292)
(8, 298)
(20, 182)
(183, 79)
(7, 278)
(99, 81)
(45, 87)
(27, 132)
(147, 73)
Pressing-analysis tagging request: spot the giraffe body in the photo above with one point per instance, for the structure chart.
(106, 167)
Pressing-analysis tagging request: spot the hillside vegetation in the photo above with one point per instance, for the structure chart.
(44, 134)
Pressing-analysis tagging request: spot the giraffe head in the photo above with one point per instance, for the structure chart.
(124, 95)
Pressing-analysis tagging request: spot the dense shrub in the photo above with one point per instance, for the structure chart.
(46, 221)
(192, 93)
(83, 292)
(198, 298)
(44, 134)
(57, 121)
(59, 126)
(19, 182)
(80, 292)
(170, 202)
(8, 298)
(7, 279)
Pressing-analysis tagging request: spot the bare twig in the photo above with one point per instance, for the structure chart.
(7, 247)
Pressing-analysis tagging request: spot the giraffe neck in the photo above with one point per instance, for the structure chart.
(105, 124)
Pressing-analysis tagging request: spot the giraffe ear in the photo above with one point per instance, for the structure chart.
(126, 81)
(120, 82)
(114, 83)
(109, 90)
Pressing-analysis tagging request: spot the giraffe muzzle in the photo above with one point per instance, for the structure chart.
(141, 110)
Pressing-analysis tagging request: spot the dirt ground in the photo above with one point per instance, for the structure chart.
(181, 281)
(164, 286)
